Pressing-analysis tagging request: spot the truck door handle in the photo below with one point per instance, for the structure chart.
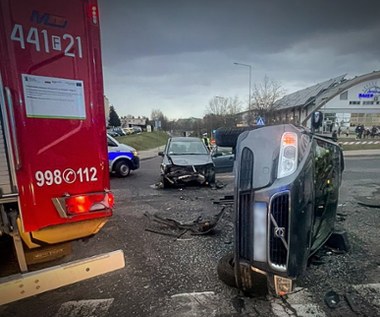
(13, 127)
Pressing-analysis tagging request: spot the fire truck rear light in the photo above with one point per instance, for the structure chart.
(84, 204)
(111, 199)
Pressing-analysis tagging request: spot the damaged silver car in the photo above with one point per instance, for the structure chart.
(186, 160)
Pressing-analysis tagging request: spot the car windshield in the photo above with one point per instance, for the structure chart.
(187, 148)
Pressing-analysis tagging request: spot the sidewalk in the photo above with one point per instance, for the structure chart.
(148, 154)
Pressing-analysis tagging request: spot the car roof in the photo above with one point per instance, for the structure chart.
(185, 139)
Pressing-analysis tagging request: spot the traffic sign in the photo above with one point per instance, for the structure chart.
(260, 121)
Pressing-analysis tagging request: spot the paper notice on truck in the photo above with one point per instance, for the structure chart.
(49, 97)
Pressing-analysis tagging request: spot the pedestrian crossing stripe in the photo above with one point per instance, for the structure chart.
(364, 142)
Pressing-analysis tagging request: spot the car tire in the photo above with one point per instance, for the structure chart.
(122, 168)
(226, 269)
(164, 182)
(211, 177)
(228, 137)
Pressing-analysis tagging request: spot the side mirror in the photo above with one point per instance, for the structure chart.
(161, 153)
(316, 119)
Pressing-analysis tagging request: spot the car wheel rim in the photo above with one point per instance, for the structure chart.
(124, 169)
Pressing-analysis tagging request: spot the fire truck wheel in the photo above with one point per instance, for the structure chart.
(122, 168)
(225, 269)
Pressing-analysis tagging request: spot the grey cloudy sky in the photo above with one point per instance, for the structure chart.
(177, 55)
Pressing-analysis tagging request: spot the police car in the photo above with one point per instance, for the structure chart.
(122, 158)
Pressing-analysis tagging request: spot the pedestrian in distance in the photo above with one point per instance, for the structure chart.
(206, 141)
(347, 131)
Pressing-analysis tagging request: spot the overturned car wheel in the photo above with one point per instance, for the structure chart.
(228, 137)
(226, 269)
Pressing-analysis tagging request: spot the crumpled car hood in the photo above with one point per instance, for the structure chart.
(186, 160)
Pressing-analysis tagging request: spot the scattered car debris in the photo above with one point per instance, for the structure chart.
(217, 185)
(341, 216)
(332, 299)
(339, 241)
(226, 200)
(200, 226)
(350, 302)
(327, 250)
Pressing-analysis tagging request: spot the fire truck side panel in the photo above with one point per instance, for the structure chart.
(51, 64)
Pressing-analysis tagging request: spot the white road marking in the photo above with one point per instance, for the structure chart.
(85, 308)
(298, 304)
(371, 292)
(195, 304)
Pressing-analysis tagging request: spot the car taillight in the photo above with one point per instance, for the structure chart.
(287, 163)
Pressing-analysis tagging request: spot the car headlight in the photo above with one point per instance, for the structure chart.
(135, 153)
(164, 167)
(288, 160)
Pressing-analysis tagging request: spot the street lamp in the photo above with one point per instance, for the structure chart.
(250, 78)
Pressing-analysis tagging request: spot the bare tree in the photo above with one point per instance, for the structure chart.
(217, 106)
(159, 119)
(264, 96)
(221, 111)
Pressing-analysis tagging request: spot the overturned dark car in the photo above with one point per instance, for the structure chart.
(186, 160)
(287, 183)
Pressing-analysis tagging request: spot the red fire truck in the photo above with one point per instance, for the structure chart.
(54, 175)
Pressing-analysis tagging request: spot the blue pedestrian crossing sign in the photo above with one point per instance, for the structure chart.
(260, 121)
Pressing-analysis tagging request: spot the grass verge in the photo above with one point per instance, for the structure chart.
(145, 140)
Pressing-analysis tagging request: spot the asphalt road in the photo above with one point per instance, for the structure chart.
(170, 276)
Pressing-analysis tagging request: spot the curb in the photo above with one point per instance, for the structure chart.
(149, 154)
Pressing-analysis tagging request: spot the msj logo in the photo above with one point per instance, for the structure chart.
(48, 19)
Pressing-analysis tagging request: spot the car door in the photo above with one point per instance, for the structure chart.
(328, 168)
(223, 159)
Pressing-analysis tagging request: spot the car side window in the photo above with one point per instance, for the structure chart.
(327, 165)
(221, 151)
(110, 142)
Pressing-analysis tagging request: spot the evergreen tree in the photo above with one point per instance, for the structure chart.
(114, 120)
